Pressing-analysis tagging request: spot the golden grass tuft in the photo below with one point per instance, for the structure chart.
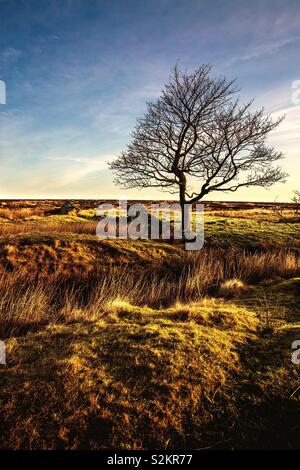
(232, 288)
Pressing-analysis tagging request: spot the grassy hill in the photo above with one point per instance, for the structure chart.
(139, 344)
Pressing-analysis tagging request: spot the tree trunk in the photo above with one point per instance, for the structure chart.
(182, 189)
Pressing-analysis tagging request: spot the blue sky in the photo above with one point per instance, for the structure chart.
(78, 73)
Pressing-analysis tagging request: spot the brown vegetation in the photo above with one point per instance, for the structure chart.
(138, 344)
(57, 286)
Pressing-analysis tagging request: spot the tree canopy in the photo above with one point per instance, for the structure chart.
(196, 138)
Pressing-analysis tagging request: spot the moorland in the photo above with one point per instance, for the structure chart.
(141, 344)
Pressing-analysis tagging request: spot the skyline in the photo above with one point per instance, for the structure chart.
(78, 75)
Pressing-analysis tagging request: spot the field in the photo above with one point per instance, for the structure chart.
(129, 344)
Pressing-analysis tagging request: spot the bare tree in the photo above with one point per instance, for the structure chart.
(296, 201)
(293, 219)
(196, 135)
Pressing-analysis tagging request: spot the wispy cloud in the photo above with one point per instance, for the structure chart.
(79, 74)
(264, 49)
(289, 130)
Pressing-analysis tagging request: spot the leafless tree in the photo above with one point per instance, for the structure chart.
(196, 139)
(296, 201)
(293, 219)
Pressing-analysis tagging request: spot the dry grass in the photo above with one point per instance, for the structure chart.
(129, 377)
(69, 255)
(59, 294)
(268, 214)
(122, 344)
(30, 228)
(137, 378)
(232, 288)
(16, 214)
(212, 267)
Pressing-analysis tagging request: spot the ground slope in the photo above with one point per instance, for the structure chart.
(210, 374)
